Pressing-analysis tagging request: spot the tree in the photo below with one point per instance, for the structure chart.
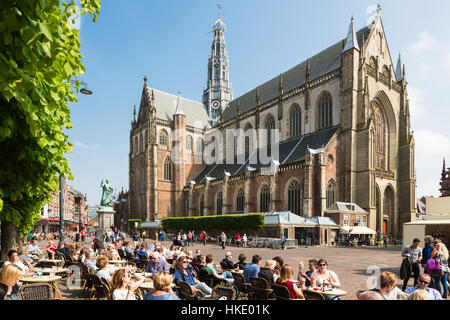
(40, 62)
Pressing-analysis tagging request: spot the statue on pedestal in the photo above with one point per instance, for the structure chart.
(107, 194)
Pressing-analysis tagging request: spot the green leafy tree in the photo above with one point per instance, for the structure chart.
(40, 62)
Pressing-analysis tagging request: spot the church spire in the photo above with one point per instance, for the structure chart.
(134, 114)
(178, 107)
(352, 41)
(443, 169)
(398, 70)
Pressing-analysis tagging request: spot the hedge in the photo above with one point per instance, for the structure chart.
(132, 221)
(233, 222)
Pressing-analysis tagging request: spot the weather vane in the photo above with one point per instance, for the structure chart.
(219, 7)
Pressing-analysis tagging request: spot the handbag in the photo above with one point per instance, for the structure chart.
(437, 271)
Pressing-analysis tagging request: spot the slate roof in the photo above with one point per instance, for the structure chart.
(166, 104)
(289, 151)
(345, 207)
(320, 64)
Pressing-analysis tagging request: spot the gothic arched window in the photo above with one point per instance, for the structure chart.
(199, 146)
(270, 126)
(294, 200)
(240, 200)
(325, 112)
(380, 147)
(295, 118)
(189, 143)
(386, 71)
(163, 139)
(136, 145)
(248, 139)
(168, 169)
(331, 190)
(219, 203)
(141, 148)
(264, 198)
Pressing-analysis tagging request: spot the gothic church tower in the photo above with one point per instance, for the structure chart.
(219, 92)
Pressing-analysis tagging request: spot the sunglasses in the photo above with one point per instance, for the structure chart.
(322, 265)
(185, 262)
(424, 281)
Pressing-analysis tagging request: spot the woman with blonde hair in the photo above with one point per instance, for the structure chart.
(163, 291)
(419, 295)
(440, 255)
(285, 279)
(9, 276)
(122, 286)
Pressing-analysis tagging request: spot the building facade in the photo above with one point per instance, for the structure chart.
(75, 211)
(334, 128)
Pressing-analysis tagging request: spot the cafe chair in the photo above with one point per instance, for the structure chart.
(219, 292)
(282, 293)
(359, 293)
(261, 289)
(85, 278)
(309, 295)
(185, 291)
(143, 261)
(224, 266)
(243, 288)
(36, 291)
(121, 253)
(101, 289)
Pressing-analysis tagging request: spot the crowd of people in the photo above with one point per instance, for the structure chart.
(169, 265)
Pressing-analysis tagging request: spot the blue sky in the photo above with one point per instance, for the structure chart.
(168, 41)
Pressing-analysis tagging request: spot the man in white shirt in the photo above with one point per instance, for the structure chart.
(13, 257)
(33, 248)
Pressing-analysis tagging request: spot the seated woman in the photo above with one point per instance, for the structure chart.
(324, 276)
(123, 287)
(210, 268)
(162, 284)
(285, 279)
(103, 270)
(9, 276)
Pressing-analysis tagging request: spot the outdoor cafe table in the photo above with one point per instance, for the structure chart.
(50, 270)
(334, 292)
(53, 261)
(45, 279)
(118, 261)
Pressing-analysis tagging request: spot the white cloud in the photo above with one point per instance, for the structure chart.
(372, 13)
(84, 146)
(426, 42)
(431, 148)
(446, 61)
(417, 98)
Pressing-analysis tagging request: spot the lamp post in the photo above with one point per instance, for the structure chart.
(86, 91)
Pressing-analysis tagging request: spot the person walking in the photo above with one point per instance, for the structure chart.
(414, 255)
(223, 240)
(283, 242)
(203, 237)
(440, 255)
(426, 252)
(184, 239)
(385, 241)
(244, 240)
(190, 239)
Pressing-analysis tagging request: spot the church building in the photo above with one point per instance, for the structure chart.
(334, 128)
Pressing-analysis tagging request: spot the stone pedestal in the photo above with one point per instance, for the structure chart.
(105, 219)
